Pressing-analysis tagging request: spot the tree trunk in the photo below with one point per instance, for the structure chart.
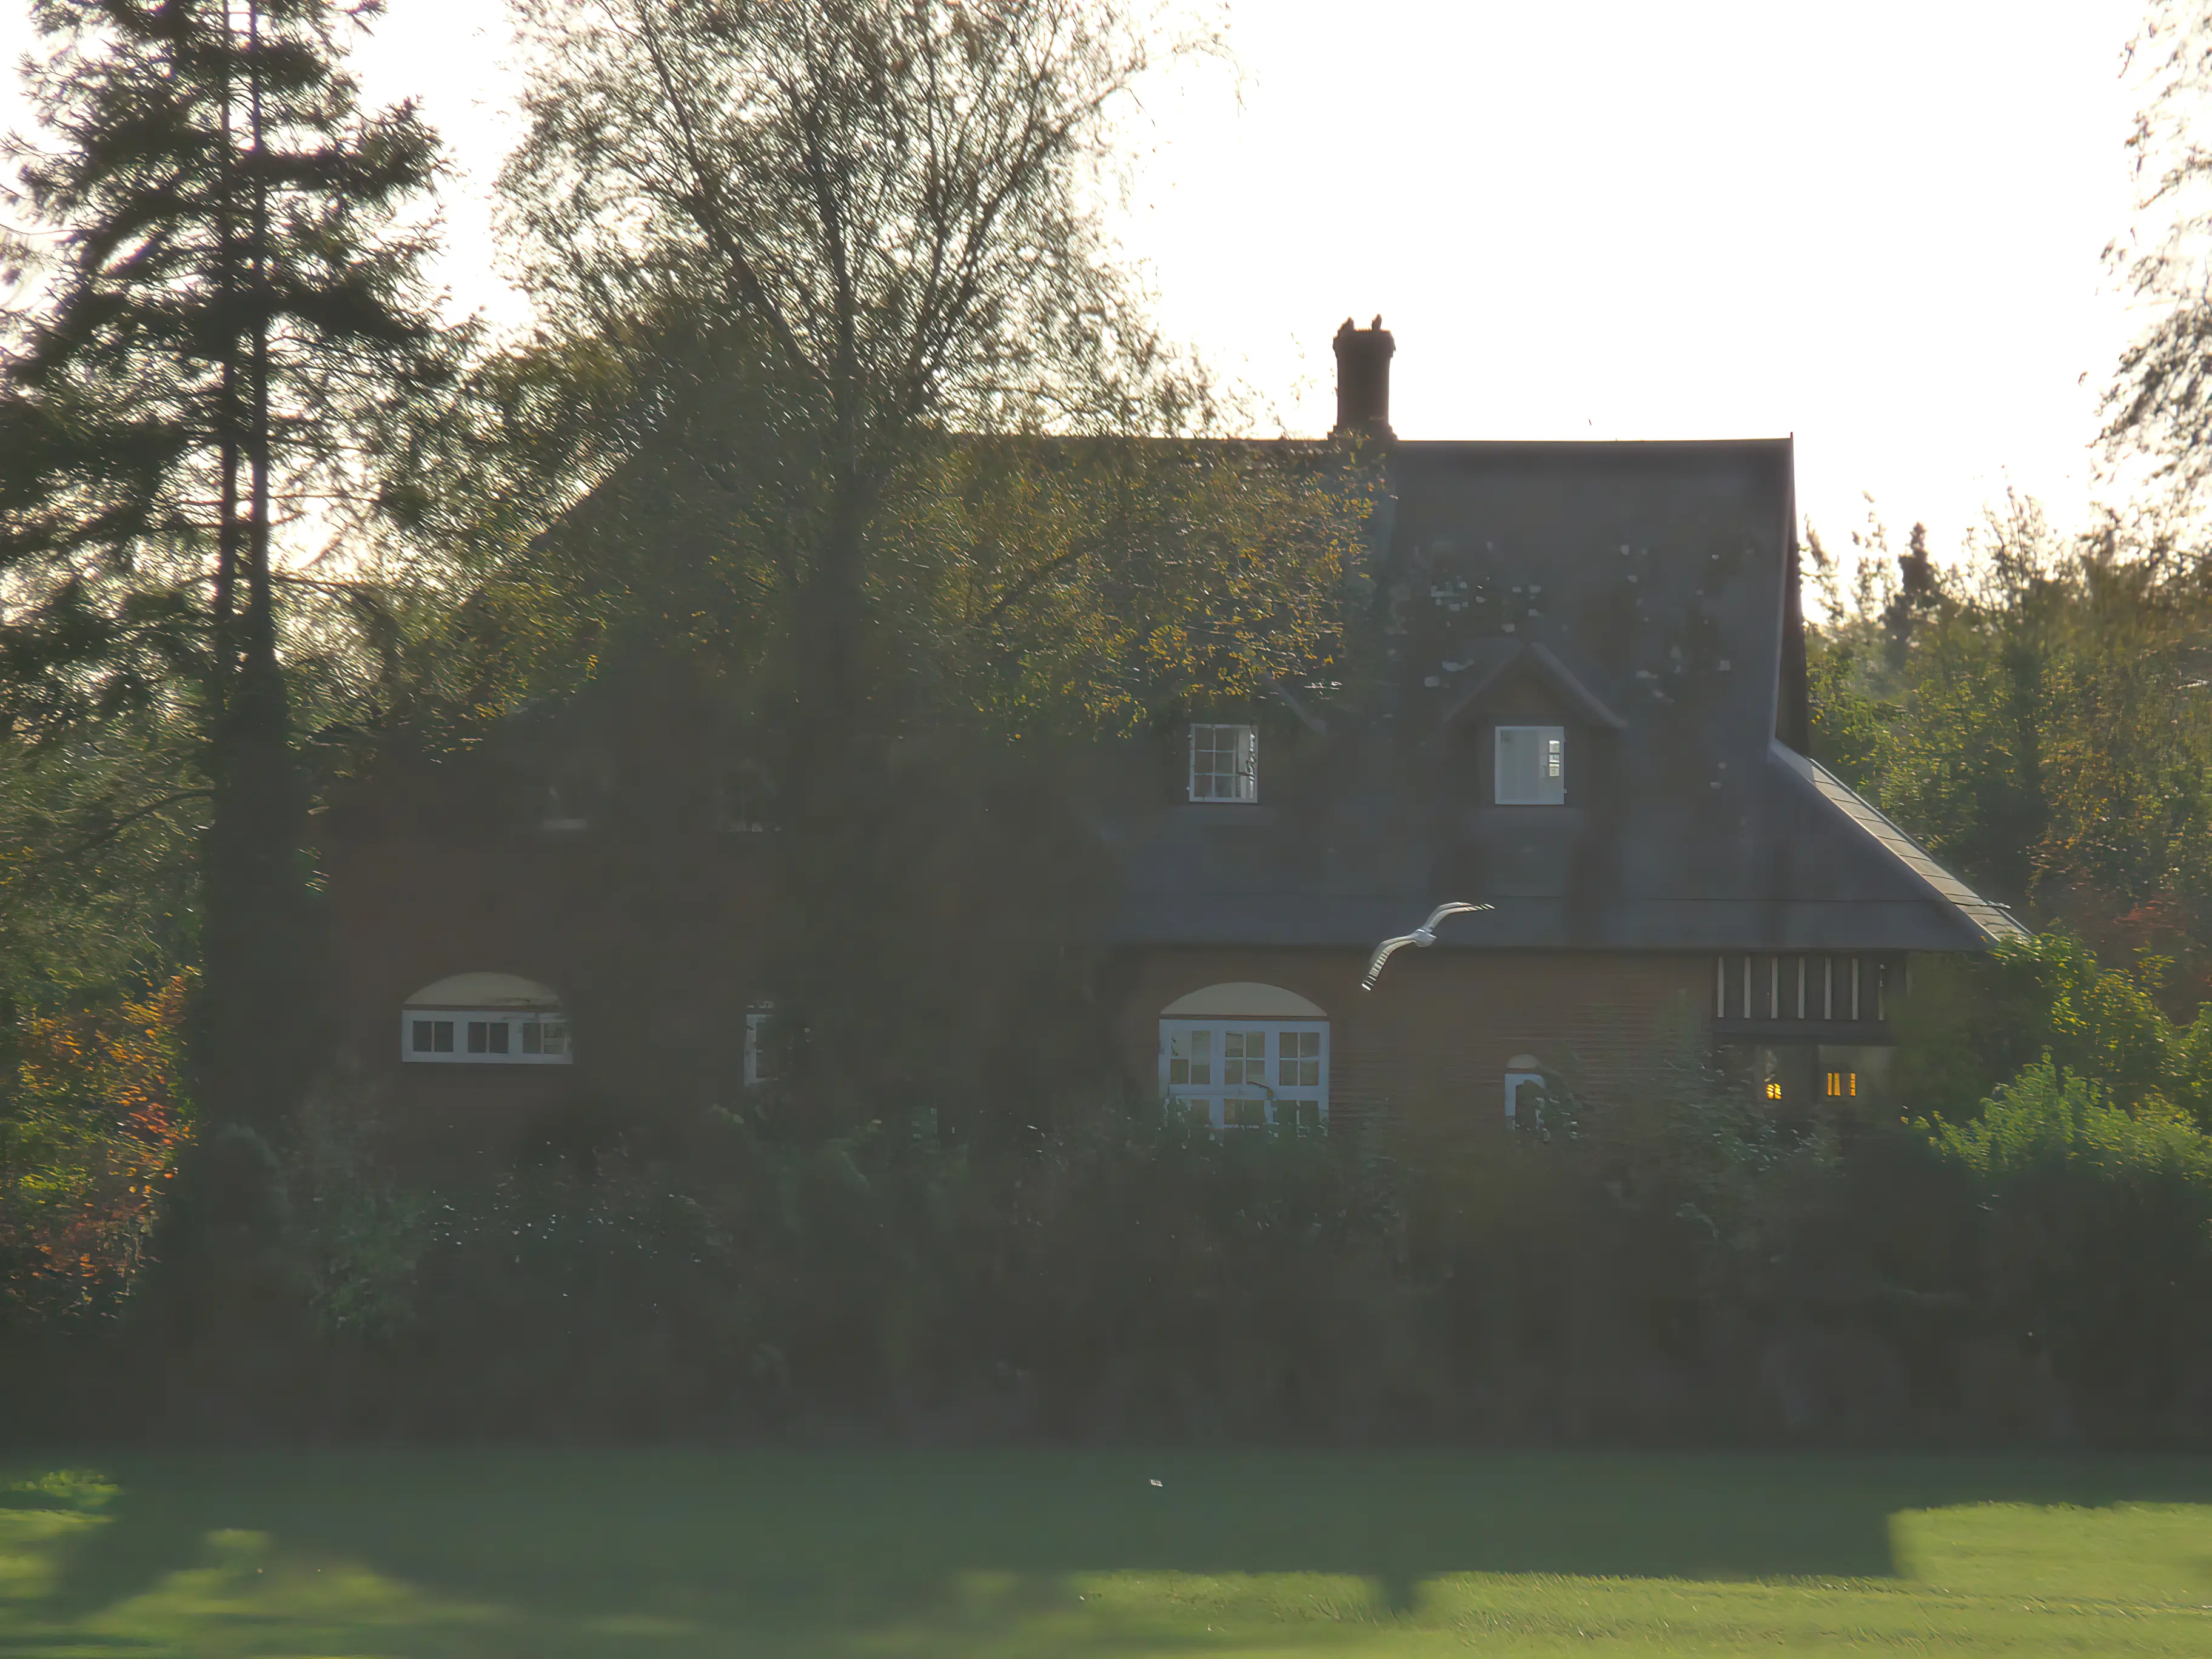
(258, 1028)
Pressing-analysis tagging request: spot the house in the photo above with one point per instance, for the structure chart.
(1587, 708)
(1593, 717)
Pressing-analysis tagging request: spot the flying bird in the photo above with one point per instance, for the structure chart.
(1424, 936)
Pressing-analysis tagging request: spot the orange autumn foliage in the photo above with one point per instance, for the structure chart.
(88, 1143)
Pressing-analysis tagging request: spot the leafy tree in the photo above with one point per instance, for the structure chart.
(91, 1123)
(884, 206)
(2162, 392)
(2047, 731)
(229, 308)
(868, 424)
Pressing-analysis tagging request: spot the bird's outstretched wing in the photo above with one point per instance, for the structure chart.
(1455, 907)
(1424, 934)
(1383, 955)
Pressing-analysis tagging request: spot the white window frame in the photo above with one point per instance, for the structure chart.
(1270, 1102)
(1546, 784)
(744, 796)
(522, 1030)
(1241, 745)
(759, 1058)
(1513, 1083)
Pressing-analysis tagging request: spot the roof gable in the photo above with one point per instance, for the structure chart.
(1539, 663)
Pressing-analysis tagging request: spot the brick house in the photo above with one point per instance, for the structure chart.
(1589, 712)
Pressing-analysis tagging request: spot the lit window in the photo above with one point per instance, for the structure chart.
(1225, 763)
(1532, 765)
(1249, 1074)
(1774, 1088)
(1843, 1085)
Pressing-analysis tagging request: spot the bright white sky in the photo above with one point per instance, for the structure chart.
(1875, 226)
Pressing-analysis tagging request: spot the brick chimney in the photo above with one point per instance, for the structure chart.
(1363, 379)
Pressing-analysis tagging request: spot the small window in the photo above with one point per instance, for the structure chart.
(1225, 763)
(1843, 1085)
(744, 800)
(560, 818)
(761, 1057)
(1532, 766)
(487, 1037)
(1524, 1097)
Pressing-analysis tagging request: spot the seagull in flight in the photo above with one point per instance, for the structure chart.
(1424, 936)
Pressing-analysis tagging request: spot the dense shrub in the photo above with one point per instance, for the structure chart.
(1971, 1024)
(2094, 1229)
(1681, 1266)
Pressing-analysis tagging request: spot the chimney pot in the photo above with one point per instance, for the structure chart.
(1363, 379)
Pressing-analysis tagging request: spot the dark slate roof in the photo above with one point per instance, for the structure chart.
(1638, 591)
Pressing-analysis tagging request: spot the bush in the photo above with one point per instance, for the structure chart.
(1679, 1267)
(2095, 1229)
(1970, 1025)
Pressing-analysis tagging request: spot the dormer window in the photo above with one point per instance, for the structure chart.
(744, 800)
(1225, 763)
(1532, 765)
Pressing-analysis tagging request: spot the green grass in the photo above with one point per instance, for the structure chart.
(999, 1554)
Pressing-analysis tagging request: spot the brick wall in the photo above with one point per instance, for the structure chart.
(1431, 1043)
(651, 953)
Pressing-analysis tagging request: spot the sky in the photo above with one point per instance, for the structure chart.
(1877, 227)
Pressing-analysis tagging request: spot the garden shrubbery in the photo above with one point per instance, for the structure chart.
(1681, 1268)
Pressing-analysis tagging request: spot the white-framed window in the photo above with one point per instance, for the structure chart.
(760, 1045)
(1249, 1074)
(484, 1036)
(745, 800)
(1532, 766)
(1224, 763)
(1526, 1092)
(484, 1019)
(559, 817)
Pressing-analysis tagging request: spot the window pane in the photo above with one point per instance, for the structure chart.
(1178, 1071)
(479, 1036)
(1531, 766)
(441, 1037)
(533, 1037)
(1223, 761)
(498, 1034)
(421, 1036)
(556, 1036)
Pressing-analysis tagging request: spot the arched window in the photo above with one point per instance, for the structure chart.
(484, 1019)
(1248, 1055)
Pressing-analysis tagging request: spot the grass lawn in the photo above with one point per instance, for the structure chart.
(534, 1552)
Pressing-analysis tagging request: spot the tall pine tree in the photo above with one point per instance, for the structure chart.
(229, 303)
